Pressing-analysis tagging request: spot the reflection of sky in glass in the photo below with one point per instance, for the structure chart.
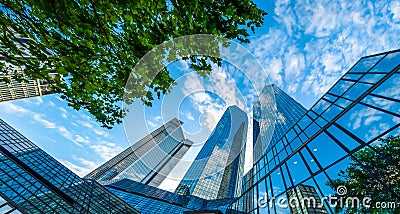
(367, 123)
(375, 115)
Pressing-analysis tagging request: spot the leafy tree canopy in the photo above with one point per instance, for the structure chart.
(360, 177)
(95, 45)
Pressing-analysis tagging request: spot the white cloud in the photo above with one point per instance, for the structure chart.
(100, 132)
(189, 115)
(63, 112)
(395, 11)
(85, 124)
(90, 165)
(51, 104)
(68, 135)
(39, 118)
(158, 118)
(10, 108)
(325, 40)
(80, 139)
(151, 124)
(80, 171)
(105, 151)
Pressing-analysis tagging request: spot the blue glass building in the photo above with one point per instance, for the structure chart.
(313, 155)
(150, 159)
(31, 181)
(217, 171)
(148, 200)
(274, 112)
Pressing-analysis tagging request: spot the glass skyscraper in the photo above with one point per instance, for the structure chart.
(31, 181)
(274, 112)
(216, 173)
(150, 159)
(338, 132)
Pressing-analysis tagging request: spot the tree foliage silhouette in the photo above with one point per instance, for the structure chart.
(95, 45)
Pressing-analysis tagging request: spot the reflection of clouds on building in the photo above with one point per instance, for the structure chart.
(274, 113)
(362, 107)
(217, 170)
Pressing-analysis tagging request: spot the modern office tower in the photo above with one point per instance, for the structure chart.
(160, 176)
(150, 159)
(305, 200)
(31, 181)
(216, 173)
(269, 127)
(12, 89)
(347, 122)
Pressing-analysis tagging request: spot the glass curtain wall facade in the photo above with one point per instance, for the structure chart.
(348, 121)
(32, 181)
(269, 127)
(217, 170)
(150, 159)
(149, 200)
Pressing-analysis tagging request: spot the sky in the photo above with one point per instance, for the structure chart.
(304, 46)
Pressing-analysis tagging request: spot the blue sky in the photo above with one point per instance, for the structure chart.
(304, 46)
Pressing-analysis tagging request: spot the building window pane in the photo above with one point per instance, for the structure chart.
(325, 150)
(340, 87)
(343, 102)
(382, 103)
(352, 76)
(277, 182)
(297, 169)
(389, 88)
(345, 139)
(372, 78)
(304, 122)
(356, 91)
(312, 129)
(365, 64)
(321, 106)
(388, 63)
(309, 160)
(367, 123)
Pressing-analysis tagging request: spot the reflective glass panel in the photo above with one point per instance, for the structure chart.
(345, 139)
(382, 103)
(372, 78)
(356, 91)
(309, 160)
(341, 87)
(389, 88)
(277, 182)
(321, 106)
(388, 63)
(331, 112)
(367, 123)
(365, 64)
(325, 149)
(297, 169)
